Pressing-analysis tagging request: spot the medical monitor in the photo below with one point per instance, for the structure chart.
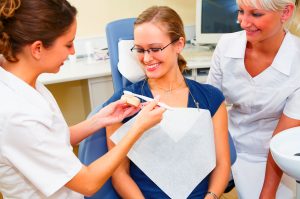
(213, 18)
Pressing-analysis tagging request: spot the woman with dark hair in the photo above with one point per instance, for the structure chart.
(36, 157)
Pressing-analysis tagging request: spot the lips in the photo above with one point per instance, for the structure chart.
(251, 32)
(152, 67)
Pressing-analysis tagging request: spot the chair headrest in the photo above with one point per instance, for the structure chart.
(129, 66)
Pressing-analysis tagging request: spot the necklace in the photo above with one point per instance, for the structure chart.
(185, 83)
(170, 90)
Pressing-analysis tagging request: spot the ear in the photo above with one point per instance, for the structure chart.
(180, 44)
(36, 49)
(287, 12)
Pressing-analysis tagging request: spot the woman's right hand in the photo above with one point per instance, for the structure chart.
(149, 116)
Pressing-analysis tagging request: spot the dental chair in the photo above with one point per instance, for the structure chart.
(95, 146)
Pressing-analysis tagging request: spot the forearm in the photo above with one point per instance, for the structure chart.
(220, 175)
(273, 173)
(121, 179)
(126, 187)
(92, 177)
(219, 179)
(272, 179)
(84, 129)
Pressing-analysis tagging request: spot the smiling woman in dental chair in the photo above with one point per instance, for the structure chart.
(159, 39)
(258, 70)
(36, 157)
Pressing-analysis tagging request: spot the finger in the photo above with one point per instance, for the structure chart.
(121, 101)
(157, 98)
(158, 110)
(150, 105)
(131, 111)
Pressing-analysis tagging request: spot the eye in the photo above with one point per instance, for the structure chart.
(155, 50)
(139, 50)
(257, 14)
(69, 45)
(240, 12)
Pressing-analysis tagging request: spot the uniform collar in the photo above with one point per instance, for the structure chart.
(282, 61)
(284, 58)
(23, 90)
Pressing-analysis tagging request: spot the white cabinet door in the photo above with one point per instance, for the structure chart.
(100, 89)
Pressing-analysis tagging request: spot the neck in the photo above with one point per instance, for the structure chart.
(269, 46)
(167, 86)
(20, 70)
(172, 79)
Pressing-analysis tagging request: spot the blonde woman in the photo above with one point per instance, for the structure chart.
(258, 71)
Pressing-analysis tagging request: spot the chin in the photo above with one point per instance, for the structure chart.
(54, 70)
(153, 75)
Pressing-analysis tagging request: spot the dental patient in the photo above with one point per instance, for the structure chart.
(159, 39)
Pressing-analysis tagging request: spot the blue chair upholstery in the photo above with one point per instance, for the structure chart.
(90, 149)
(115, 31)
(95, 146)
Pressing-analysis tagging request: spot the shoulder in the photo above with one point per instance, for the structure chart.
(208, 96)
(205, 89)
(9, 103)
(295, 41)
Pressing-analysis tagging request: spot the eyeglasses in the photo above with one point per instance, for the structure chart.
(150, 51)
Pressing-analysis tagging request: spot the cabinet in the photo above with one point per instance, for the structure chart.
(100, 89)
(79, 87)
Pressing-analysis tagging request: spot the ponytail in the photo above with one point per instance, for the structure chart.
(8, 7)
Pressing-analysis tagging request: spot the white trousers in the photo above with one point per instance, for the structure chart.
(248, 175)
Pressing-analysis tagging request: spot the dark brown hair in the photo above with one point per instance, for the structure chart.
(170, 20)
(23, 22)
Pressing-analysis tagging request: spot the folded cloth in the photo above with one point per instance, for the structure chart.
(178, 153)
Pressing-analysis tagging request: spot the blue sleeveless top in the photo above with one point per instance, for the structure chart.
(207, 97)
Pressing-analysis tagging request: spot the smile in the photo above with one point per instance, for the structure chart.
(152, 67)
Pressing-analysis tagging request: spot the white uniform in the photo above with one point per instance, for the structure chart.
(36, 158)
(257, 104)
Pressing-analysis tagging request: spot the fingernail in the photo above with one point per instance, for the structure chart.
(156, 98)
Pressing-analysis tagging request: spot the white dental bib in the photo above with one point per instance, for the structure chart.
(178, 153)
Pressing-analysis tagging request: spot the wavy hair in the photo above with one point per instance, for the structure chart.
(23, 22)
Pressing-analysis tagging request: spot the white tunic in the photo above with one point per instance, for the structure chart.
(257, 104)
(36, 158)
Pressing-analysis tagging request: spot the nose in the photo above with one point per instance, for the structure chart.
(147, 56)
(72, 50)
(244, 21)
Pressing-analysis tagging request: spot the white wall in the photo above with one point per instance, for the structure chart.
(93, 15)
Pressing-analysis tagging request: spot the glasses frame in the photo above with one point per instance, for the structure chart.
(151, 50)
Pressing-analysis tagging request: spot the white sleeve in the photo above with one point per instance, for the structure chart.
(41, 154)
(292, 107)
(215, 73)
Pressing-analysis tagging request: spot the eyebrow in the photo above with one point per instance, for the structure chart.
(149, 45)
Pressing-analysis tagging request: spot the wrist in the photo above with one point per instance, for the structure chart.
(211, 195)
(95, 123)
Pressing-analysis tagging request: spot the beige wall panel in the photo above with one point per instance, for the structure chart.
(93, 15)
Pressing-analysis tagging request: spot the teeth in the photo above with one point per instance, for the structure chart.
(152, 66)
(251, 30)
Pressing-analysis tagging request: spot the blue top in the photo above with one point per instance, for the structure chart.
(208, 97)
